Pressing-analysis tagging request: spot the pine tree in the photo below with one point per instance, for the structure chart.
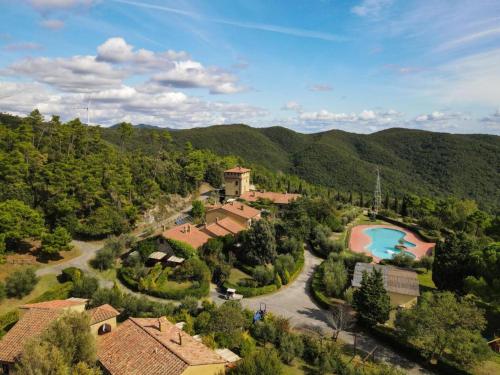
(361, 201)
(350, 197)
(404, 206)
(395, 207)
(386, 201)
(371, 300)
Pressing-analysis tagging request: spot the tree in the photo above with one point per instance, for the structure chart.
(290, 346)
(3, 292)
(452, 261)
(259, 362)
(260, 243)
(67, 346)
(341, 319)
(441, 325)
(40, 358)
(84, 286)
(18, 221)
(198, 211)
(104, 259)
(59, 240)
(21, 283)
(227, 322)
(126, 130)
(334, 277)
(371, 300)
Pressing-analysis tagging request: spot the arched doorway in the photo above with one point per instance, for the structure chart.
(103, 329)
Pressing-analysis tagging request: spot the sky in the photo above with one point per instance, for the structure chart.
(312, 65)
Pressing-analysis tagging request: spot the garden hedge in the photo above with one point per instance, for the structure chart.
(182, 249)
(251, 292)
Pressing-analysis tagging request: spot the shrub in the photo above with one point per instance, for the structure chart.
(402, 260)
(60, 291)
(190, 304)
(3, 292)
(70, 274)
(104, 259)
(145, 248)
(263, 275)
(260, 362)
(334, 278)
(84, 286)
(58, 240)
(277, 281)
(21, 283)
(182, 249)
(290, 346)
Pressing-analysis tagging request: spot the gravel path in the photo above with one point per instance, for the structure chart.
(295, 302)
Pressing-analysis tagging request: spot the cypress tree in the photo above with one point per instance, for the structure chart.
(386, 201)
(371, 300)
(361, 201)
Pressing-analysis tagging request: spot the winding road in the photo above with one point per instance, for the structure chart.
(295, 302)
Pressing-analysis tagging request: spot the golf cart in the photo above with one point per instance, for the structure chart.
(232, 295)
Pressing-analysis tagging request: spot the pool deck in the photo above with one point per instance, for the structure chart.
(359, 241)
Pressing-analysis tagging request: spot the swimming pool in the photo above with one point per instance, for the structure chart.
(384, 241)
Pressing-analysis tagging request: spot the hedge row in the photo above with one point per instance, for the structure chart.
(61, 291)
(201, 291)
(182, 249)
(316, 290)
(412, 227)
(251, 292)
(246, 291)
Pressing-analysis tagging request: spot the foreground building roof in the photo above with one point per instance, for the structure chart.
(56, 304)
(278, 198)
(152, 346)
(396, 280)
(237, 170)
(187, 233)
(102, 313)
(31, 324)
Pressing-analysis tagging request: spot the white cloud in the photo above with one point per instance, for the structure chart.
(28, 46)
(369, 8)
(46, 5)
(52, 24)
(468, 39)
(292, 105)
(74, 74)
(318, 87)
(192, 74)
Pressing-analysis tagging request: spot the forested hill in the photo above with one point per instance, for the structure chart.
(410, 160)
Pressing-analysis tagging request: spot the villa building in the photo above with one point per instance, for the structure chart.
(402, 285)
(187, 233)
(237, 185)
(35, 318)
(242, 214)
(236, 181)
(156, 346)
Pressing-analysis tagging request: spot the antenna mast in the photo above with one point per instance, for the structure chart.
(377, 198)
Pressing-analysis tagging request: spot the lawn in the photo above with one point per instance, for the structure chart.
(425, 280)
(46, 282)
(237, 275)
(298, 367)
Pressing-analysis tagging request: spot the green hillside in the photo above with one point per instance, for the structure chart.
(410, 160)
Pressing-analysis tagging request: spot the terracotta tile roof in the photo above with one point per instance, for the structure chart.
(223, 227)
(237, 170)
(187, 233)
(190, 351)
(240, 209)
(31, 324)
(56, 304)
(139, 347)
(129, 349)
(102, 313)
(278, 198)
(396, 280)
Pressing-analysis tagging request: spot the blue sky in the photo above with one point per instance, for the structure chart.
(360, 65)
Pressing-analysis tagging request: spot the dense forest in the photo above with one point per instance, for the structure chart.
(411, 161)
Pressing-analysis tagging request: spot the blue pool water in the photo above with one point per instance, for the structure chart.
(384, 242)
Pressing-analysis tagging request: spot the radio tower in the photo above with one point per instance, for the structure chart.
(377, 198)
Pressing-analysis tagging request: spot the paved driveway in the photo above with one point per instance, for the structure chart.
(295, 302)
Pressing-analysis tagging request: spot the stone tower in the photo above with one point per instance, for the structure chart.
(237, 181)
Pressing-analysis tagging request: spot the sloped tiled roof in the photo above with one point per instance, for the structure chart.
(223, 227)
(396, 280)
(237, 170)
(278, 198)
(56, 304)
(187, 233)
(102, 313)
(139, 347)
(130, 350)
(240, 209)
(31, 324)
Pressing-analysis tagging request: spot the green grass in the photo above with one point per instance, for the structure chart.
(492, 366)
(425, 280)
(110, 274)
(46, 282)
(237, 275)
(298, 367)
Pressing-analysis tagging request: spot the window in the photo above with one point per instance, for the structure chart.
(105, 328)
(236, 183)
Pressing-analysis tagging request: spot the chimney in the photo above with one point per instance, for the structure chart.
(163, 323)
(242, 207)
(216, 219)
(180, 338)
(188, 228)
